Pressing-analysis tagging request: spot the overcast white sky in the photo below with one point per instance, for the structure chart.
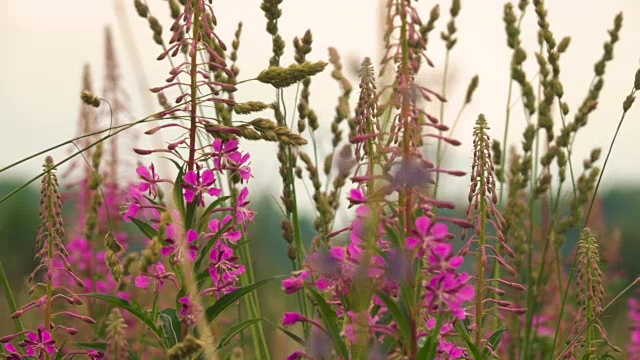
(45, 44)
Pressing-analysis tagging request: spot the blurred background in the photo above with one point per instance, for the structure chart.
(45, 45)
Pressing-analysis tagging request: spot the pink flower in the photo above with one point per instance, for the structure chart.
(227, 157)
(134, 204)
(290, 318)
(294, 283)
(243, 212)
(195, 185)
(13, 352)
(425, 234)
(174, 247)
(150, 180)
(450, 289)
(229, 235)
(357, 197)
(188, 311)
(156, 277)
(223, 269)
(39, 344)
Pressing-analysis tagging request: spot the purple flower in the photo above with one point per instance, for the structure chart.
(134, 205)
(156, 276)
(425, 234)
(188, 311)
(290, 318)
(95, 354)
(229, 235)
(294, 283)
(13, 352)
(450, 289)
(174, 247)
(196, 184)
(150, 180)
(223, 269)
(243, 212)
(227, 157)
(38, 345)
(357, 197)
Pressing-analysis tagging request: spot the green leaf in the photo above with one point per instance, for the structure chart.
(429, 348)
(171, 327)
(190, 217)
(464, 334)
(178, 197)
(207, 213)
(135, 310)
(235, 330)
(100, 346)
(10, 299)
(227, 299)
(291, 335)
(154, 308)
(330, 322)
(494, 340)
(401, 317)
(146, 229)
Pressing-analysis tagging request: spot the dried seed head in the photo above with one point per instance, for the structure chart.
(473, 85)
(280, 77)
(90, 99)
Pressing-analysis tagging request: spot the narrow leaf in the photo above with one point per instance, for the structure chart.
(8, 294)
(235, 330)
(330, 322)
(146, 229)
(228, 299)
(126, 305)
(464, 334)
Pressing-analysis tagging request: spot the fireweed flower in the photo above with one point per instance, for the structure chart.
(188, 311)
(150, 180)
(195, 184)
(451, 290)
(224, 270)
(156, 278)
(38, 344)
(174, 248)
(425, 234)
(227, 157)
(13, 352)
(290, 318)
(241, 207)
(230, 235)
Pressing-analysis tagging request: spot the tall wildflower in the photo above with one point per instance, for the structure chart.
(489, 249)
(590, 296)
(50, 249)
(398, 249)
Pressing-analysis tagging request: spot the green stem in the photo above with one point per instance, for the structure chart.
(10, 299)
(443, 91)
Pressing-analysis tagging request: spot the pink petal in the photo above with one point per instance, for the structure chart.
(439, 231)
(143, 172)
(192, 236)
(143, 281)
(422, 224)
(167, 250)
(191, 178)
(208, 177)
(214, 191)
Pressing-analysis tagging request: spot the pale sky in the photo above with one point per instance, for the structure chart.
(45, 44)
